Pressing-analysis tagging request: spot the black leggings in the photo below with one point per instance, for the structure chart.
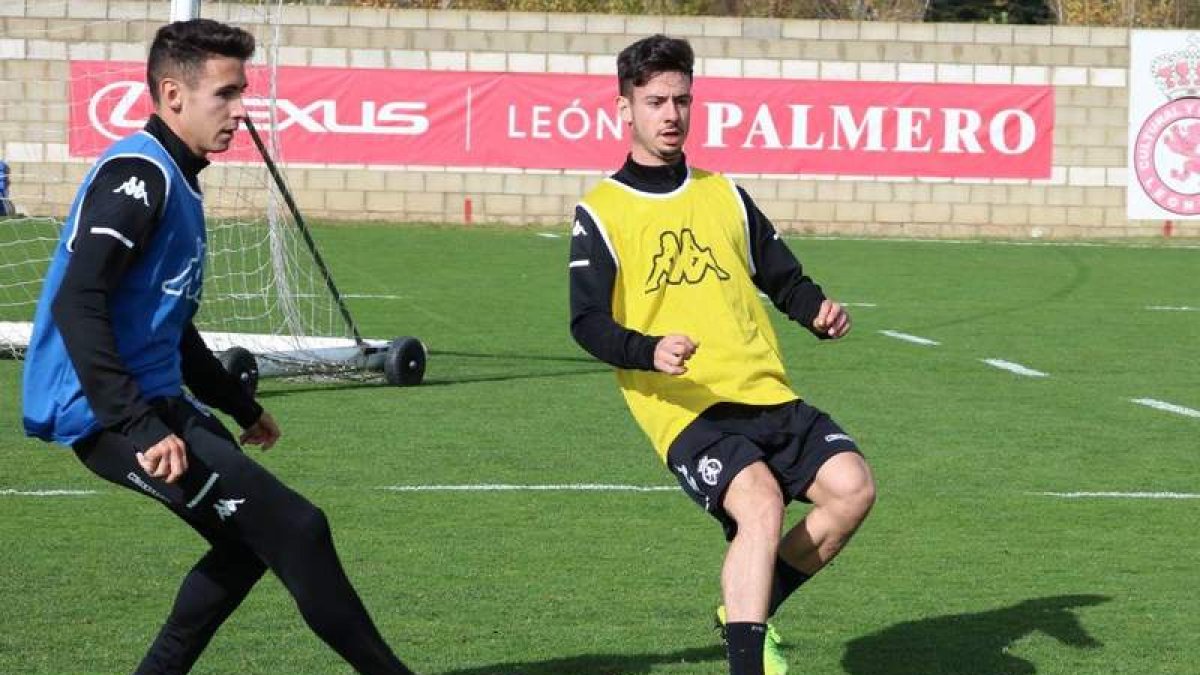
(253, 522)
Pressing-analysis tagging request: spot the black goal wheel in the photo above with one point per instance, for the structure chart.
(240, 363)
(404, 365)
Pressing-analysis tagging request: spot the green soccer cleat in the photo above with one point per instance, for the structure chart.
(773, 661)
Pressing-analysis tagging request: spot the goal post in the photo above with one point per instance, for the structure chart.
(183, 10)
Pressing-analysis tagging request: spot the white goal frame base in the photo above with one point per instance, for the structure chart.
(277, 355)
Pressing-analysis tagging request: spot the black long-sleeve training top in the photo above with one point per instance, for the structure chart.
(95, 271)
(778, 274)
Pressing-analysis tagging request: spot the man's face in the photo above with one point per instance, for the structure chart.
(658, 114)
(208, 112)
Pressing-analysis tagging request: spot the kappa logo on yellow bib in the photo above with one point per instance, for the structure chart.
(682, 260)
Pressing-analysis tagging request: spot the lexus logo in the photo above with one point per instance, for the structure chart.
(119, 108)
(118, 99)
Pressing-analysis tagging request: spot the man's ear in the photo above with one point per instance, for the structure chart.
(170, 93)
(625, 109)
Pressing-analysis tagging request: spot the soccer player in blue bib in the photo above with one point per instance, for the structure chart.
(667, 264)
(114, 347)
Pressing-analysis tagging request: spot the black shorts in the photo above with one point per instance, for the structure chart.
(793, 439)
(223, 493)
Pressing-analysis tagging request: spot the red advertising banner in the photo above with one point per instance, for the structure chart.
(551, 121)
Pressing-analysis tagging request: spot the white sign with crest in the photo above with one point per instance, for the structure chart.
(1164, 125)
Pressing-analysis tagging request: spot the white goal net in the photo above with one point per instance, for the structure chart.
(80, 85)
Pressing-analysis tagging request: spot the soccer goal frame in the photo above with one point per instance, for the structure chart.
(306, 335)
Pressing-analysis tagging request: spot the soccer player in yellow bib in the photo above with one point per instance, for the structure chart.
(667, 262)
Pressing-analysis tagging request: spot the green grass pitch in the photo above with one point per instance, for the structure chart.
(964, 568)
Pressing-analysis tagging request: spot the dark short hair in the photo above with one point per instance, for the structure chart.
(181, 48)
(648, 57)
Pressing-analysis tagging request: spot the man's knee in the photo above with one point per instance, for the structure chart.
(309, 524)
(293, 538)
(861, 499)
(754, 500)
(845, 485)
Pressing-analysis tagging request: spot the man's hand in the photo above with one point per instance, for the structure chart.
(264, 432)
(166, 459)
(832, 319)
(671, 352)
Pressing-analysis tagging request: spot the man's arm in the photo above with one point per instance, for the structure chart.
(593, 273)
(780, 275)
(211, 383)
(113, 226)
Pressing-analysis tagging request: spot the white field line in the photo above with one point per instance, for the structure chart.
(577, 487)
(1014, 368)
(1120, 495)
(986, 242)
(587, 487)
(1163, 405)
(915, 339)
(45, 493)
(549, 235)
(1165, 308)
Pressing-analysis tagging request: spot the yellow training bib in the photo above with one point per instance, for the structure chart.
(684, 266)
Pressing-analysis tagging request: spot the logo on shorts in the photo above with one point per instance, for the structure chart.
(227, 507)
(137, 480)
(829, 438)
(683, 471)
(710, 469)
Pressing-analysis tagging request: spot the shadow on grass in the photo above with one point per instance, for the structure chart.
(515, 376)
(525, 365)
(1080, 274)
(601, 664)
(516, 357)
(379, 383)
(521, 371)
(975, 643)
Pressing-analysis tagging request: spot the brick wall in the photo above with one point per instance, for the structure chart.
(1084, 197)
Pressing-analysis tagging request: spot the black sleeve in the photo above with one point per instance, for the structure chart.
(211, 383)
(118, 216)
(593, 274)
(778, 273)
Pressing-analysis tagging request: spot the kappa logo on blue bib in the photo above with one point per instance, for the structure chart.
(187, 282)
(135, 188)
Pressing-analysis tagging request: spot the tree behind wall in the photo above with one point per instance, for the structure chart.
(1133, 13)
(1125, 13)
(851, 10)
(991, 11)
